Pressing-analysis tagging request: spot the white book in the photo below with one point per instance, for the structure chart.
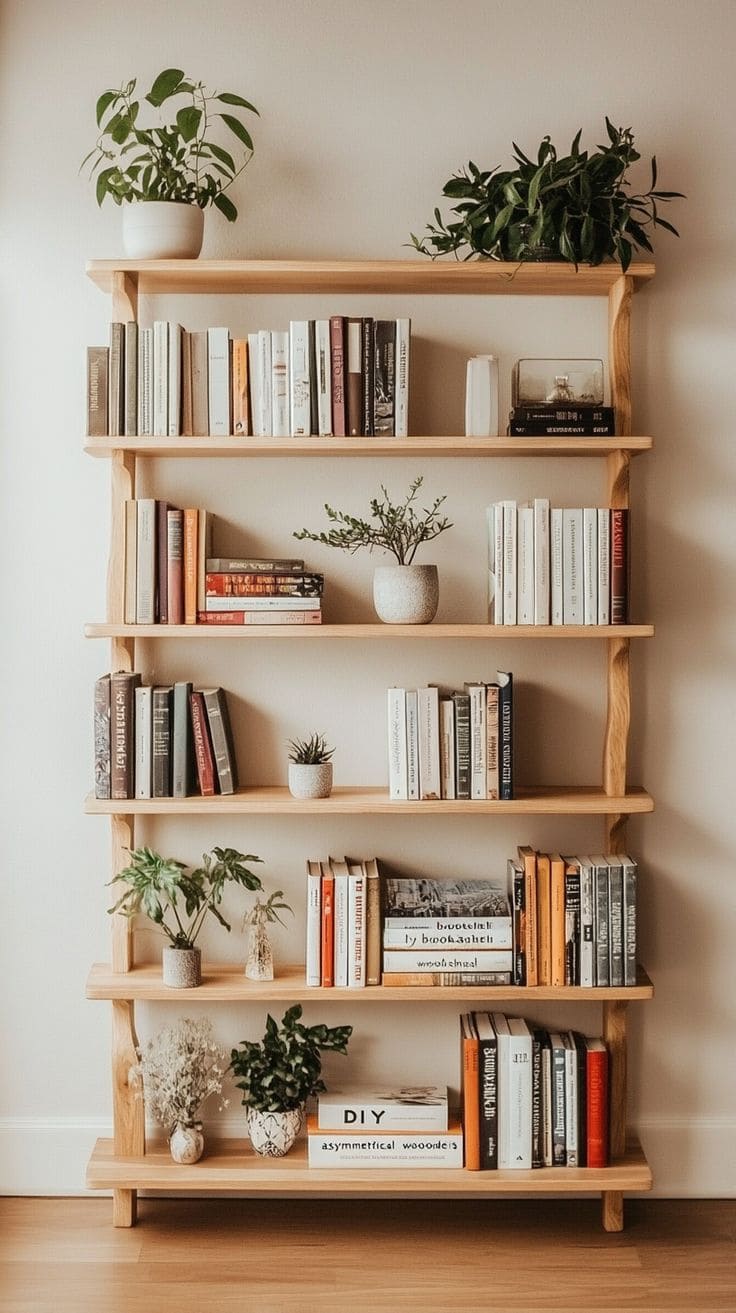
(514, 1091)
(263, 390)
(160, 419)
(401, 403)
(299, 385)
(174, 401)
(447, 959)
(428, 716)
(356, 930)
(498, 927)
(143, 740)
(145, 575)
(525, 566)
(261, 603)
(397, 753)
(604, 566)
(447, 748)
(254, 383)
(323, 371)
(571, 1100)
(370, 1150)
(145, 382)
(541, 561)
(412, 743)
(590, 565)
(130, 586)
(587, 956)
(341, 914)
(555, 565)
(494, 522)
(478, 739)
(572, 566)
(384, 1108)
(218, 381)
(280, 384)
(420, 937)
(314, 926)
(509, 562)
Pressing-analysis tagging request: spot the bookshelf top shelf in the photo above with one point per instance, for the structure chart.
(443, 278)
(209, 447)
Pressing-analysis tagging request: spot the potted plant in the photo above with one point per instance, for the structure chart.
(278, 1074)
(259, 964)
(405, 593)
(166, 175)
(310, 767)
(179, 900)
(577, 208)
(180, 1068)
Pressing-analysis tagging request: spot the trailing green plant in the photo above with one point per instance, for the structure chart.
(178, 161)
(310, 752)
(179, 899)
(284, 1069)
(398, 529)
(577, 208)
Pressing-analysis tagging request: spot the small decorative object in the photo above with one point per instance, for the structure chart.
(168, 174)
(259, 964)
(551, 382)
(310, 768)
(181, 1067)
(162, 887)
(405, 593)
(576, 209)
(481, 397)
(278, 1074)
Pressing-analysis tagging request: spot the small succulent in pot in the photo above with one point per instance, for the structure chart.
(310, 767)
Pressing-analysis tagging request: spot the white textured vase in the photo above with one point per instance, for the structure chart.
(310, 780)
(182, 967)
(406, 594)
(162, 230)
(186, 1144)
(272, 1134)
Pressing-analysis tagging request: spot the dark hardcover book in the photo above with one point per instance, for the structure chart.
(557, 414)
(384, 377)
(123, 684)
(116, 381)
(203, 754)
(313, 394)
(102, 737)
(504, 679)
(615, 921)
(601, 921)
(538, 1037)
(517, 889)
(488, 1090)
(462, 744)
(354, 375)
(557, 1046)
(130, 401)
(517, 429)
(254, 564)
(161, 770)
(368, 355)
(619, 566)
(182, 747)
(581, 1064)
(337, 357)
(97, 385)
(629, 883)
(162, 562)
(411, 897)
(221, 737)
(572, 924)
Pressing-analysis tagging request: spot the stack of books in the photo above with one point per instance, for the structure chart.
(562, 419)
(391, 1126)
(531, 1097)
(241, 592)
(452, 744)
(446, 932)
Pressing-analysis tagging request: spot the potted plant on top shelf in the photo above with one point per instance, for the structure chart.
(179, 900)
(310, 767)
(165, 176)
(405, 593)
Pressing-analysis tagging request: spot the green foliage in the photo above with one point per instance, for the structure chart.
(267, 912)
(161, 886)
(282, 1070)
(310, 752)
(577, 209)
(178, 161)
(397, 529)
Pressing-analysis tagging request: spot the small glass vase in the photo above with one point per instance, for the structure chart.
(259, 963)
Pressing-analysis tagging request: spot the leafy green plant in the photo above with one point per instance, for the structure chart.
(577, 208)
(266, 913)
(310, 752)
(179, 161)
(398, 529)
(283, 1069)
(162, 887)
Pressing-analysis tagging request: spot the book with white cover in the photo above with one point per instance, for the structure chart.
(376, 1149)
(281, 602)
(572, 566)
(145, 585)
(412, 743)
(131, 562)
(339, 869)
(525, 566)
(160, 378)
(397, 753)
(263, 387)
(401, 402)
(143, 740)
(299, 384)
(323, 372)
(541, 561)
(447, 747)
(314, 925)
(604, 566)
(514, 1091)
(590, 565)
(447, 959)
(478, 740)
(555, 565)
(428, 717)
(280, 384)
(509, 562)
(419, 934)
(218, 381)
(494, 523)
(356, 928)
(383, 1108)
(174, 404)
(145, 382)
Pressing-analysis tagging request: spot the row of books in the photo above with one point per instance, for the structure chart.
(452, 744)
(343, 923)
(574, 919)
(339, 376)
(573, 419)
(386, 1126)
(531, 1097)
(557, 566)
(161, 742)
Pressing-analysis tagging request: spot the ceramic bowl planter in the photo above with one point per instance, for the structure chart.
(310, 779)
(162, 230)
(406, 594)
(272, 1134)
(182, 967)
(186, 1144)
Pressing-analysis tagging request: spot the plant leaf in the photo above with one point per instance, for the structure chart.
(237, 128)
(188, 121)
(229, 98)
(165, 85)
(226, 207)
(107, 98)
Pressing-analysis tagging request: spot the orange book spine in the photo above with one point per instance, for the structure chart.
(596, 1074)
(471, 1095)
(328, 929)
(191, 521)
(544, 919)
(557, 919)
(240, 419)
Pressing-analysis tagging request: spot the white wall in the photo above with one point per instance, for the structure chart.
(366, 110)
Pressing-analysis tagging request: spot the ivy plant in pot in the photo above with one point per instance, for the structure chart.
(310, 767)
(179, 899)
(279, 1073)
(404, 593)
(165, 175)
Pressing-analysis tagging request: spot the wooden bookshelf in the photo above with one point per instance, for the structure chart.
(378, 632)
(209, 448)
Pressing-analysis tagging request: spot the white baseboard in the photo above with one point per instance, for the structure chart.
(690, 1158)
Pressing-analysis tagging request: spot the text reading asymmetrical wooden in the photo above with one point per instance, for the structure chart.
(123, 1164)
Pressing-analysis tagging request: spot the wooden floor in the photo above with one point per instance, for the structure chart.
(309, 1256)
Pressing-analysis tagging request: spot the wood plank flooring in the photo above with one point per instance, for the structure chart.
(321, 1256)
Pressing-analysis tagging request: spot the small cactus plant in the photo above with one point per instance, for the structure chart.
(310, 752)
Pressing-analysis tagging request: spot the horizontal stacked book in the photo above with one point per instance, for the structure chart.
(560, 419)
(166, 741)
(390, 1126)
(452, 744)
(557, 566)
(531, 1097)
(338, 377)
(446, 932)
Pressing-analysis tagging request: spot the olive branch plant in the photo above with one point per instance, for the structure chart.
(398, 528)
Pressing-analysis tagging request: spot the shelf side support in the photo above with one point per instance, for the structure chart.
(128, 1111)
(614, 1035)
(619, 351)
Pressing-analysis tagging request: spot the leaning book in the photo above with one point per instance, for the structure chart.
(370, 1149)
(386, 1108)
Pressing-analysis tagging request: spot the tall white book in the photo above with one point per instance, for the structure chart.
(143, 740)
(447, 748)
(541, 561)
(555, 565)
(174, 400)
(299, 382)
(145, 577)
(590, 565)
(263, 388)
(478, 739)
(604, 566)
(314, 926)
(401, 414)
(509, 562)
(412, 743)
(323, 375)
(494, 525)
(160, 418)
(397, 756)
(218, 381)
(428, 716)
(525, 565)
(280, 427)
(514, 1091)
(341, 920)
(572, 566)
(356, 927)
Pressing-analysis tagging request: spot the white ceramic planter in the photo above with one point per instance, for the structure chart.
(186, 1144)
(162, 230)
(406, 594)
(310, 781)
(182, 967)
(272, 1134)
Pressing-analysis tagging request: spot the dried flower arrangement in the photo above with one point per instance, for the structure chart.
(181, 1067)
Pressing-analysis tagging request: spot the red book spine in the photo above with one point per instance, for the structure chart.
(619, 567)
(337, 353)
(175, 566)
(596, 1086)
(237, 585)
(203, 753)
(328, 930)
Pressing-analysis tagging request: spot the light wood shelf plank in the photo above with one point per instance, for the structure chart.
(210, 447)
(317, 633)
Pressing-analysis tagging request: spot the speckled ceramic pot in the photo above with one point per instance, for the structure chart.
(182, 967)
(186, 1144)
(406, 594)
(310, 780)
(272, 1134)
